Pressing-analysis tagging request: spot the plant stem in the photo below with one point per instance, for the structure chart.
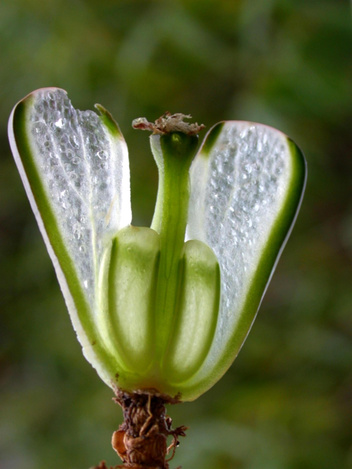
(141, 440)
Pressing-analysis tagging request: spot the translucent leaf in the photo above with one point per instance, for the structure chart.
(246, 186)
(74, 166)
(247, 183)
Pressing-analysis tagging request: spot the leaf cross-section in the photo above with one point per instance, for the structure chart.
(247, 183)
(74, 166)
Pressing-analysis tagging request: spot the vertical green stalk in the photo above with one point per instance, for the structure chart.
(173, 154)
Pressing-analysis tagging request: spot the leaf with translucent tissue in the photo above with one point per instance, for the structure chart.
(247, 183)
(74, 166)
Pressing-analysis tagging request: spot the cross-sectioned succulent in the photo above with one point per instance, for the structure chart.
(166, 307)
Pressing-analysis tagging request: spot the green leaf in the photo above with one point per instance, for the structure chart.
(247, 184)
(74, 166)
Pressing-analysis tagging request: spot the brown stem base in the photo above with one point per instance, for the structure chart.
(102, 465)
(141, 441)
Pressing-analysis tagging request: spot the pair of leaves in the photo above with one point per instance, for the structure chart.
(246, 185)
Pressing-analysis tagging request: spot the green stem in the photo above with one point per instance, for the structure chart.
(173, 153)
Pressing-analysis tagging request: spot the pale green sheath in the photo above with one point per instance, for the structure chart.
(165, 308)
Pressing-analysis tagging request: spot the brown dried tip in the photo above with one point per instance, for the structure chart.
(168, 123)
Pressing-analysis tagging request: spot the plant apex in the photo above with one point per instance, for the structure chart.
(169, 123)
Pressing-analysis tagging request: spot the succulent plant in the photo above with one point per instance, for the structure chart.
(165, 309)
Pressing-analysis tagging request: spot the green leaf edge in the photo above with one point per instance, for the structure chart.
(112, 126)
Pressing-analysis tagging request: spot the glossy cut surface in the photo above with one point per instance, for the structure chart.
(247, 184)
(166, 307)
(75, 170)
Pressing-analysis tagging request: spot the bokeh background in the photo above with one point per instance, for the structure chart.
(286, 403)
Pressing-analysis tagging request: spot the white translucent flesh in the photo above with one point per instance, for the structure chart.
(238, 189)
(84, 171)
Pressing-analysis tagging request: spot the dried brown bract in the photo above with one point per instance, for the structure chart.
(168, 123)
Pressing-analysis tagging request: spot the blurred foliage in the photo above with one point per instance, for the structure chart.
(286, 403)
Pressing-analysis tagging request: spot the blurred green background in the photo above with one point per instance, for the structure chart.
(286, 403)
